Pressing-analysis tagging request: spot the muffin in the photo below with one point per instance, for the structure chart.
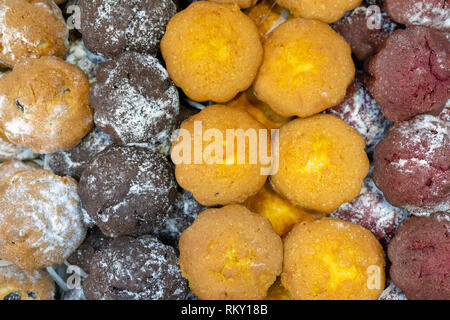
(41, 222)
(72, 162)
(18, 284)
(212, 51)
(412, 167)
(260, 111)
(361, 111)
(327, 11)
(428, 13)
(134, 100)
(365, 29)
(31, 29)
(110, 27)
(45, 105)
(268, 16)
(322, 163)
(139, 268)
(230, 253)
(95, 242)
(127, 190)
(307, 68)
(420, 255)
(9, 151)
(241, 3)
(331, 259)
(281, 214)
(220, 167)
(410, 75)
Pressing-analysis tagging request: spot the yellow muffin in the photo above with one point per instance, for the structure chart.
(331, 259)
(45, 105)
(230, 177)
(241, 3)
(328, 11)
(278, 292)
(212, 51)
(267, 16)
(31, 28)
(18, 284)
(322, 163)
(258, 110)
(307, 68)
(230, 253)
(281, 214)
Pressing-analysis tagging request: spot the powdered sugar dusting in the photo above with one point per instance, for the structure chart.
(362, 112)
(138, 116)
(43, 210)
(427, 13)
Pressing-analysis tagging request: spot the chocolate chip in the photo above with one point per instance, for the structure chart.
(32, 294)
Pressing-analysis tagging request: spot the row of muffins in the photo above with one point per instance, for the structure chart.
(107, 162)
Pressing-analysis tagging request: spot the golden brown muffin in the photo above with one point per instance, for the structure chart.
(241, 3)
(307, 68)
(41, 222)
(331, 259)
(258, 110)
(328, 11)
(18, 284)
(212, 51)
(322, 163)
(45, 105)
(220, 179)
(281, 214)
(278, 292)
(230, 253)
(31, 28)
(267, 16)
(9, 151)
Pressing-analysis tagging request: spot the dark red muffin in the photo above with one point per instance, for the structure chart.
(420, 255)
(365, 29)
(360, 110)
(429, 13)
(412, 165)
(410, 74)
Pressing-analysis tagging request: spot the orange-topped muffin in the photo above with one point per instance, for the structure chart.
(331, 259)
(212, 51)
(322, 163)
(218, 155)
(278, 292)
(31, 28)
(307, 68)
(230, 253)
(328, 11)
(267, 16)
(281, 214)
(241, 3)
(258, 110)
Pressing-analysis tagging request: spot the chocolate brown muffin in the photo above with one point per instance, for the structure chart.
(135, 269)
(429, 13)
(95, 242)
(420, 255)
(72, 162)
(110, 27)
(127, 190)
(134, 100)
(365, 30)
(412, 165)
(410, 74)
